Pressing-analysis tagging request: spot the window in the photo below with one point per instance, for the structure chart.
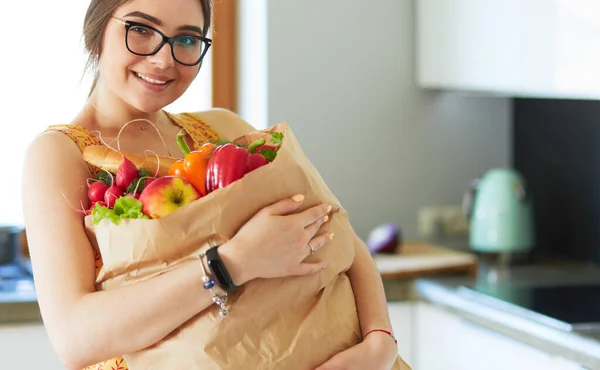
(42, 62)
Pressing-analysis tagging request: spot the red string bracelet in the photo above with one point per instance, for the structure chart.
(383, 331)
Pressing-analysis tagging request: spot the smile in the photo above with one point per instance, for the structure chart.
(151, 80)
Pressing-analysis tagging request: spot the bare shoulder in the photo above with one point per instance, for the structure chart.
(51, 151)
(52, 185)
(228, 124)
(53, 188)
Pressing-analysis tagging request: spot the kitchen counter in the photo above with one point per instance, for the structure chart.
(452, 293)
(18, 304)
(14, 310)
(18, 301)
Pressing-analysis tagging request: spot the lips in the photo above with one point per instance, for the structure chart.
(153, 79)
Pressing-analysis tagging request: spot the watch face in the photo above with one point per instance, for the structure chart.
(219, 270)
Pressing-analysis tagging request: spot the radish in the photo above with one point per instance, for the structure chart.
(111, 195)
(96, 191)
(126, 173)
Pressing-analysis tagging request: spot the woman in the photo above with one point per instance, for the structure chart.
(139, 72)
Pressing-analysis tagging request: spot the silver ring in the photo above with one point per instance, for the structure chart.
(312, 250)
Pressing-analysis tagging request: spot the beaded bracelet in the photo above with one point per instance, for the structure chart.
(208, 283)
(383, 331)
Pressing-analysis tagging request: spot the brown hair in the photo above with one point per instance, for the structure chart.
(97, 17)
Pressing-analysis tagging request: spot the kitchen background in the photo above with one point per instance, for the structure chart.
(555, 145)
(385, 146)
(400, 104)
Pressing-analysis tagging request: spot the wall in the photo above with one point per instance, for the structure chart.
(253, 64)
(556, 143)
(59, 90)
(342, 73)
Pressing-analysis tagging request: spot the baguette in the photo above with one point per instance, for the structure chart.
(108, 159)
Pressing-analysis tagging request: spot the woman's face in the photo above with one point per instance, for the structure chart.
(149, 83)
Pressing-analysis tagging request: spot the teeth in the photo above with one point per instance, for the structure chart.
(149, 80)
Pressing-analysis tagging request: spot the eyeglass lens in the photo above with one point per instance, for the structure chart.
(145, 41)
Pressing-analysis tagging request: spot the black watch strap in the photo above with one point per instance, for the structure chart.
(218, 269)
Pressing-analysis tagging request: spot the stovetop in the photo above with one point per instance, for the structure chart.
(569, 307)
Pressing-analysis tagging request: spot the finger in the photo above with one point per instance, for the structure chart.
(285, 206)
(307, 268)
(313, 214)
(313, 228)
(320, 240)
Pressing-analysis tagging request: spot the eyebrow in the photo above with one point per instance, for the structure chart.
(158, 22)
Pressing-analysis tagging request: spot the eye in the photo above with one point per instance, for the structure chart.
(141, 30)
(187, 41)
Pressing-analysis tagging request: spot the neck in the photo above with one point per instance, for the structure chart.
(107, 111)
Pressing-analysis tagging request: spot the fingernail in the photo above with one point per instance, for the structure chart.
(325, 219)
(329, 208)
(331, 236)
(298, 198)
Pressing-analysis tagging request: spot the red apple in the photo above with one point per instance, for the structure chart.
(167, 194)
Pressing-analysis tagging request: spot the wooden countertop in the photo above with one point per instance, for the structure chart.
(416, 259)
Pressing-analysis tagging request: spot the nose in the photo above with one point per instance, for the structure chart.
(163, 59)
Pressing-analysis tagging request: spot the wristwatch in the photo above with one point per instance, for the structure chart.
(218, 269)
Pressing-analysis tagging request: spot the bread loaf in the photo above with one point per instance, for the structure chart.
(108, 159)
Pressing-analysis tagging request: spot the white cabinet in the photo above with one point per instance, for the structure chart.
(533, 48)
(402, 318)
(444, 341)
(25, 347)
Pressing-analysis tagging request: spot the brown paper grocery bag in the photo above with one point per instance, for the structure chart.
(288, 323)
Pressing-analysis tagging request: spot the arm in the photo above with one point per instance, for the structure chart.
(85, 326)
(370, 299)
(377, 350)
(368, 291)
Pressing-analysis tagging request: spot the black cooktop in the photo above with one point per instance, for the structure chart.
(569, 307)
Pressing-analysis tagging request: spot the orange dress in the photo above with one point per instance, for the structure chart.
(200, 133)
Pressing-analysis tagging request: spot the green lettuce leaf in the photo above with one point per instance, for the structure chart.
(125, 207)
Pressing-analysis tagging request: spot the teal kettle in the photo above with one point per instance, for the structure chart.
(500, 212)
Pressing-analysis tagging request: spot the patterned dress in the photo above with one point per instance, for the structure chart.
(200, 133)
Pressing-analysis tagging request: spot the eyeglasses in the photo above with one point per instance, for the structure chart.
(145, 40)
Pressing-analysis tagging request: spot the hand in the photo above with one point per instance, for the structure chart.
(377, 352)
(274, 243)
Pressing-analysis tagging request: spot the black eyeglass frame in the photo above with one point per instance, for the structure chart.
(165, 39)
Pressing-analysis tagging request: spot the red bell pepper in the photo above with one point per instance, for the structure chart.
(229, 163)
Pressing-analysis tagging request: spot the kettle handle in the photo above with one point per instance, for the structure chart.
(469, 198)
